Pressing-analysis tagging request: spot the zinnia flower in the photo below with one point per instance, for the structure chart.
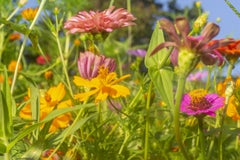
(200, 103)
(50, 100)
(95, 22)
(29, 13)
(188, 50)
(90, 63)
(231, 51)
(104, 85)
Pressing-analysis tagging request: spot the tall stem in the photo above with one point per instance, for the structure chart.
(179, 94)
(202, 139)
(24, 43)
(147, 121)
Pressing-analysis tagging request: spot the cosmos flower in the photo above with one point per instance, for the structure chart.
(138, 52)
(188, 50)
(233, 107)
(12, 65)
(29, 13)
(50, 100)
(89, 64)
(200, 103)
(103, 86)
(95, 22)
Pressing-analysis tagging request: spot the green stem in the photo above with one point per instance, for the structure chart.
(230, 68)
(237, 137)
(148, 103)
(11, 15)
(24, 43)
(201, 138)
(233, 8)
(209, 78)
(62, 58)
(179, 94)
(111, 3)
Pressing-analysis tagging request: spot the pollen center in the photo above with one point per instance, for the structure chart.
(198, 100)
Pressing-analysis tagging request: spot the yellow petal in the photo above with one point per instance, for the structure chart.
(121, 91)
(79, 81)
(57, 93)
(84, 96)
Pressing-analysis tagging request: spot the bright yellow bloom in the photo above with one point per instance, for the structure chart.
(233, 108)
(50, 100)
(12, 65)
(104, 85)
(29, 13)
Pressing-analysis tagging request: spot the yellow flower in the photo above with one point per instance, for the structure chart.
(29, 13)
(104, 85)
(48, 75)
(233, 108)
(12, 65)
(50, 100)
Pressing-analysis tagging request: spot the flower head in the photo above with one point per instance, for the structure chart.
(29, 13)
(42, 60)
(138, 52)
(231, 51)
(50, 100)
(199, 103)
(198, 76)
(12, 65)
(95, 22)
(14, 36)
(104, 85)
(188, 50)
(90, 63)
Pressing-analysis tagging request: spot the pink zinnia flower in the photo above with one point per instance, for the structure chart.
(198, 46)
(90, 63)
(95, 22)
(199, 103)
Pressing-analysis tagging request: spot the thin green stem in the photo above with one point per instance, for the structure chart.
(111, 3)
(62, 58)
(179, 94)
(24, 44)
(201, 138)
(237, 137)
(230, 68)
(232, 7)
(209, 78)
(148, 103)
(11, 15)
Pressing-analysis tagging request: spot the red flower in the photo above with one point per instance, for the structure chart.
(42, 60)
(95, 22)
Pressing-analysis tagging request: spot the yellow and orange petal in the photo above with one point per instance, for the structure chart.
(29, 13)
(221, 86)
(14, 36)
(48, 75)
(233, 109)
(104, 85)
(12, 65)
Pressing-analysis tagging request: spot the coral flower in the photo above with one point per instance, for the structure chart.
(188, 50)
(12, 65)
(199, 103)
(90, 63)
(104, 85)
(231, 51)
(96, 22)
(29, 13)
(50, 100)
(42, 60)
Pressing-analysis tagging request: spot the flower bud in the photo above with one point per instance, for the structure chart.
(200, 22)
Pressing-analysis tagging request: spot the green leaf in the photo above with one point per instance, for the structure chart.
(159, 68)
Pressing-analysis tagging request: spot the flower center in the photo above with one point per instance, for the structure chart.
(198, 100)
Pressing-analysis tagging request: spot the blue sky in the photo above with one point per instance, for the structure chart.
(230, 22)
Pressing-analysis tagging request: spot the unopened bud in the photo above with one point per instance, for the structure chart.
(200, 22)
(198, 4)
(22, 3)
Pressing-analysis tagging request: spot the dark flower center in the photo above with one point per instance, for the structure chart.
(198, 100)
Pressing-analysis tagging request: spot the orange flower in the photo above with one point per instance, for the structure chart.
(12, 65)
(231, 51)
(48, 75)
(29, 13)
(233, 108)
(50, 100)
(14, 36)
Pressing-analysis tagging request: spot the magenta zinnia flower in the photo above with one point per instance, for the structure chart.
(90, 63)
(95, 22)
(199, 103)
